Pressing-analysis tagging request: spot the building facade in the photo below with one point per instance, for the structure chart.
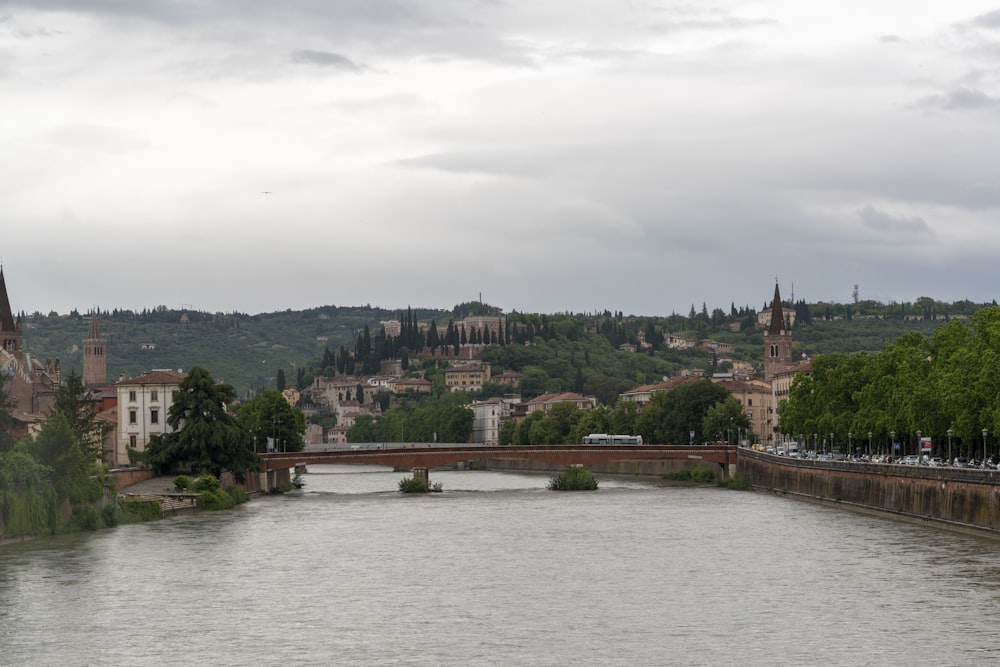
(143, 404)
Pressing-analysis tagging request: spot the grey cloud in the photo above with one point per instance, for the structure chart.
(959, 98)
(990, 20)
(890, 39)
(872, 218)
(94, 138)
(326, 59)
(712, 24)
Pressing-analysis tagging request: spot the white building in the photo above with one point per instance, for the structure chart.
(143, 403)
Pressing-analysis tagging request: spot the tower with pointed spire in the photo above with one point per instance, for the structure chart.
(11, 335)
(777, 340)
(30, 383)
(95, 362)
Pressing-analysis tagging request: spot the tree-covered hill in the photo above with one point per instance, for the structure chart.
(555, 352)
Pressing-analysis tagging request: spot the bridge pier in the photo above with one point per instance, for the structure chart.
(423, 474)
(276, 479)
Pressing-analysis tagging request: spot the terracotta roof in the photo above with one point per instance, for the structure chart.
(672, 383)
(561, 397)
(156, 377)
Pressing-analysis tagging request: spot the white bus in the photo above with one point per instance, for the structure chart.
(605, 439)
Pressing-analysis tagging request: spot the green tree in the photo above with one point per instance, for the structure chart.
(268, 417)
(280, 380)
(671, 415)
(363, 430)
(725, 418)
(74, 473)
(204, 435)
(75, 403)
(7, 406)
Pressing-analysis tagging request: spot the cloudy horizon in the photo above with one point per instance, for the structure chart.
(550, 156)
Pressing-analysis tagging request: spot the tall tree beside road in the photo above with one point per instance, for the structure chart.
(205, 435)
(670, 416)
(269, 416)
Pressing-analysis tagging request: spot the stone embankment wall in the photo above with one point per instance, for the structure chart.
(960, 498)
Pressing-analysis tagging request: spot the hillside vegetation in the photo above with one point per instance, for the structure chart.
(564, 352)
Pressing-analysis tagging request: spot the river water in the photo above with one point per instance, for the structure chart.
(499, 571)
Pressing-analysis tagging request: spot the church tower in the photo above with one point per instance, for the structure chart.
(11, 336)
(777, 340)
(95, 362)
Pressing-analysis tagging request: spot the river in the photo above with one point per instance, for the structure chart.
(499, 571)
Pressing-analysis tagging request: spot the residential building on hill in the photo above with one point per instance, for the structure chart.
(641, 395)
(546, 402)
(467, 377)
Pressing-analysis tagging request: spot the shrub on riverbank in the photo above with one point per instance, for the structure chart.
(739, 482)
(697, 474)
(136, 510)
(574, 479)
(182, 482)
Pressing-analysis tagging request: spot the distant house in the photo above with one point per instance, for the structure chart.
(508, 378)
(415, 385)
(467, 377)
(488, 416)
(641, 395)
(546, 402)
(147, 346)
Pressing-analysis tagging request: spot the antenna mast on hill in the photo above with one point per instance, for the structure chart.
(855, 294)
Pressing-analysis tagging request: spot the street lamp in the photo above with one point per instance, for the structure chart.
(985, 433)
(831, 442)
(869, 452)
(950, 433)
(850, 447)
(815, 445)
(892, 442)
(919, 444)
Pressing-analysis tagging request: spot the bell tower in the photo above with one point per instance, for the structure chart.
(777, 340)
(95, 361)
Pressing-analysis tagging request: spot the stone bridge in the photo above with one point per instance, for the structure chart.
(426, 455)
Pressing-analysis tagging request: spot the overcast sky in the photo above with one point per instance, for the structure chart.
(551, 155)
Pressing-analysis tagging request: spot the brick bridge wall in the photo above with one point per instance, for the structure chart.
(958, 497)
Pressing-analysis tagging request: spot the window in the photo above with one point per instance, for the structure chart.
(131, 416)
(749, 402)
(154, 416)
(131, 395)
(154, 396)
(131, 441)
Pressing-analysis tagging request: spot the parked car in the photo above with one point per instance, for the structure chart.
(937, 462)
(911, 460)
(960, 462)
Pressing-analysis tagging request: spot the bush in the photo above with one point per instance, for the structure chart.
(739, 482)
(238, 495)
(85, 517)
(206, 482)
(698, 474)
(182, 482)
(216, 499)
(574, 479)
(413, 485)
(134, 510)
(109, 515)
